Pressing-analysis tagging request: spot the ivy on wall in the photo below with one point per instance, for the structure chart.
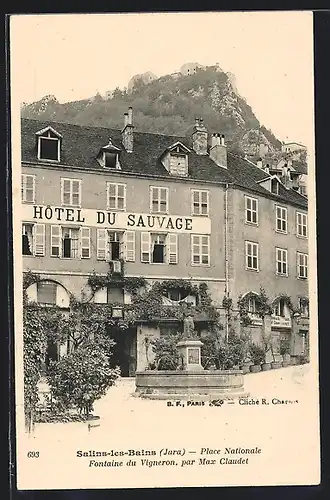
(147, 301)
(263, 306)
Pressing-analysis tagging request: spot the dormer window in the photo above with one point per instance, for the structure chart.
(175, 159)
(110, 160)
(49, 145)
(108, 156)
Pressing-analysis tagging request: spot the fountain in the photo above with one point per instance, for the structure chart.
(190, 380)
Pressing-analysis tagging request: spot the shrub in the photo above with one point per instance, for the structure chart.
(224, 355)
(257, 354)
(166, 352)
(284, 347)
(82, 377)
(34, 346)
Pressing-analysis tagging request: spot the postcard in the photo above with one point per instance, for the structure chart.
(164, 228)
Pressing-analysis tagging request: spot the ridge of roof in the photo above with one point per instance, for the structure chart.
(85, 142)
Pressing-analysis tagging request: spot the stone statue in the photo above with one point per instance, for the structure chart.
(188, 327)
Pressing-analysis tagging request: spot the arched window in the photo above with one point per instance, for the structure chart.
(281, 308)
(49, 293)
(252, 305)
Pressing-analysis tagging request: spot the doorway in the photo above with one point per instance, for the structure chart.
(124, 351)
(52, 353)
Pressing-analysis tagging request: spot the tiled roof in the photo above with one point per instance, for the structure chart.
(82, 144)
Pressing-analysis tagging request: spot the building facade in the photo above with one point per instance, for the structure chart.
(165, 208)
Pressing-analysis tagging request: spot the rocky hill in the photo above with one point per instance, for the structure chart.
(169, 105)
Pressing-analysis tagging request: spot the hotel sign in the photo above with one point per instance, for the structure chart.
(255, 319)
(276, 321)
(281, 321)
(47, 214)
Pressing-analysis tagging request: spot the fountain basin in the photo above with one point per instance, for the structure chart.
(188, 384)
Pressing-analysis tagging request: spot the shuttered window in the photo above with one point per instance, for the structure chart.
(33, 239)
(159, 248)
(69, 242)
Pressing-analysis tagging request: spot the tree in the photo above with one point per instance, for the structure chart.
(82, 377)
(33, 356)
(117, 93)
(86, 366)
(98, 97)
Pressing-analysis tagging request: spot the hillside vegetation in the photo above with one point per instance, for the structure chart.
(168, 106)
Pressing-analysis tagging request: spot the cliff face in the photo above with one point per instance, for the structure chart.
(169, 105)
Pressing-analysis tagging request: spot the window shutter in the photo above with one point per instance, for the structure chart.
(55, 241)
(85, 242)
(129, 238)
(145, 247)
(39, 239)
(173, 248)
(102, 244)
(28, 188)
(151, 193)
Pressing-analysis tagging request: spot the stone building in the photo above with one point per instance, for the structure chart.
(292, 147)
(190, 68)
(165, 208)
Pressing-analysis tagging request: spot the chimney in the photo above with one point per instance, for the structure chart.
(213, 140)
(218, 150)
(127, 132)
(286, 176)
(199, 137)
(130, 115)
(259, 163)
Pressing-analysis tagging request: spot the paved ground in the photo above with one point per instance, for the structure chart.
(285, 432)
(119, 407)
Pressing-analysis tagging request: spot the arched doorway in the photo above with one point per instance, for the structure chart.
(49, 293)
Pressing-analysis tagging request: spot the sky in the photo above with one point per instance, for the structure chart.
(74, 56)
